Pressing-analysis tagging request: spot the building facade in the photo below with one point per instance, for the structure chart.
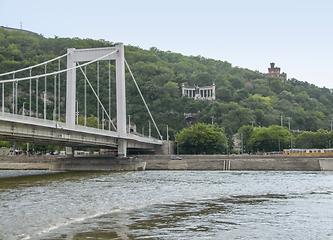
(196, 92)
(275, 72)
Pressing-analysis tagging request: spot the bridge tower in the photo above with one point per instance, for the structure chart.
(83, 55)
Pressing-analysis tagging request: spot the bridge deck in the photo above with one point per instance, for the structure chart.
(24, 128)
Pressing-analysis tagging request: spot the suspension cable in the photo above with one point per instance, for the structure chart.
(142, 98)
(109, 93)
(97, 94)
(60, 71)
(85, 76)
(34, 66)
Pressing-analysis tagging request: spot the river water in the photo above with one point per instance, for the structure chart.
(166, 205)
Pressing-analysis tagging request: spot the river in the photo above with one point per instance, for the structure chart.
(166, 205)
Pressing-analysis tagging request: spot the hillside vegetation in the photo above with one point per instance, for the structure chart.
(242, 95)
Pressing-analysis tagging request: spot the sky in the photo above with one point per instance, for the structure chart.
(296, 35)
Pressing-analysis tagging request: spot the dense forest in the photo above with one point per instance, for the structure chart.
(242, 95)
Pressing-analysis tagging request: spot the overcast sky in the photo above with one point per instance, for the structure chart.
(296, 35)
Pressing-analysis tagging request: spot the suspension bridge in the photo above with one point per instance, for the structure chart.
(36, 129)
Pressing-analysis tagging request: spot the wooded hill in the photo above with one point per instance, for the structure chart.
(242, 95)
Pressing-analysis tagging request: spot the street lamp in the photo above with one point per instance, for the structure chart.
(103, 123)
(281, 120)
(129, 123)
(252, 122)
(149, 128)
(242, 142)
(212, 120)
(77, 112)
(289, 122)
(291, 141)
(23, 109)
(168, 139)
(177, 146)
(54, 114)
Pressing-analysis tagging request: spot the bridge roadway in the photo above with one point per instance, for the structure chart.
(47, 132)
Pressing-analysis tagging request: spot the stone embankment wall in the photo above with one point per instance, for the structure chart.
(239, 162)
(188, 162)
(23, 162)
(97, 163)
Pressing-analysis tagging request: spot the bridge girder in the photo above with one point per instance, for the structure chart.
(46, 132)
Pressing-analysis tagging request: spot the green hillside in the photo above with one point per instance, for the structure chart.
(242, 95)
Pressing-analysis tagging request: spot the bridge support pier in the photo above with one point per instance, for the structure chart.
(122, 148)
(69, 151)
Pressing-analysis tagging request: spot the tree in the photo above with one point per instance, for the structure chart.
(171, 88)
(247, 131)
(269, 139)
(224, 94)
(5, 144)
(229, 134)
(308, 140)
(201, 139)
(159, 75)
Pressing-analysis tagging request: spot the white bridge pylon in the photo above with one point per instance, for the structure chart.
(83, 55)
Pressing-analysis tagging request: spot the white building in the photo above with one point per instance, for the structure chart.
(207, 92)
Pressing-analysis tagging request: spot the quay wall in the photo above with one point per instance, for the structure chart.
(239, 162)
(97, 163)
(24, 162)
(188, 162)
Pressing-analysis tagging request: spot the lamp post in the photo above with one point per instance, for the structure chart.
(331, 124)
(281, 120)
(149, 128)
(23, 109)
(168, 139)
(177, 146)
(252, 122)
(77, 112)
(54, 114)
(291, 141)
(129, 123)
(23, 115)
(212, 120)
(289, 122)
(3, 97)
(242, 142)
(103, 123)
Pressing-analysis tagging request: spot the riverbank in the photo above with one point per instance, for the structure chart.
(190, 162)
(240, 162)
(23, 162)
